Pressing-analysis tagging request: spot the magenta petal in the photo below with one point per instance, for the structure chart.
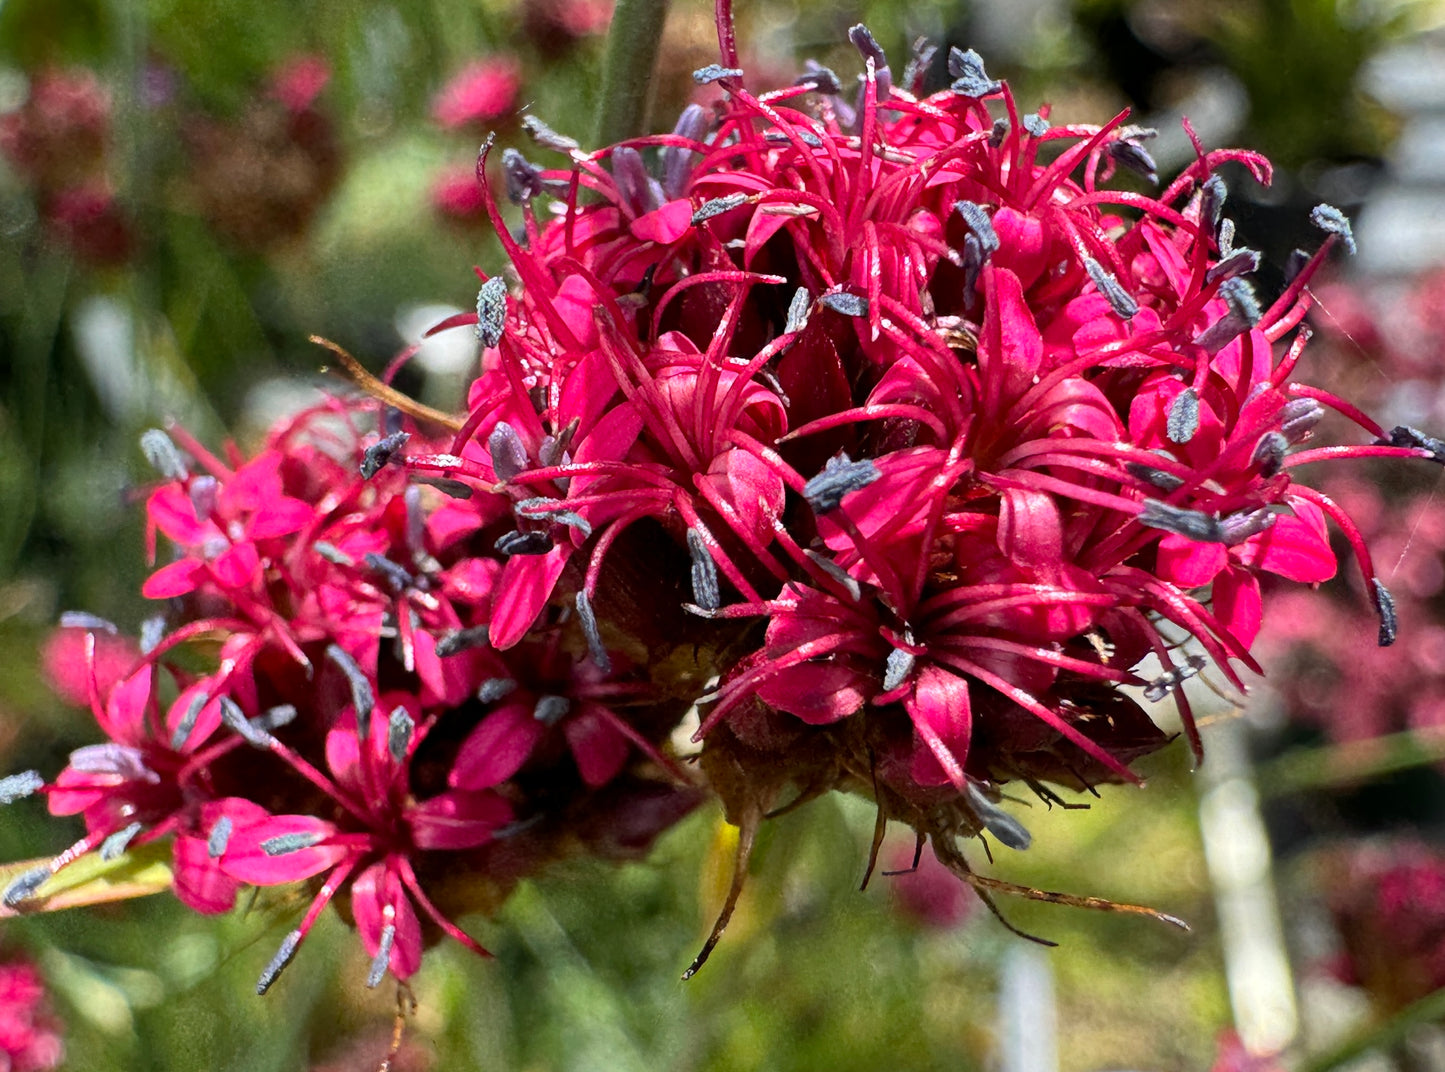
(598, 746)
(245, 858)
(172, 511)
(124, 719)
(238, 567)
(457, 820)
(818, 693)
(255, 486)
(666, 224)
(280, 517)
(1297, 548)
(1236, 603)
(497, 748)
(199, 881)
(1190, 563)
(943, 716)
(1030, 530)
(1010, 347)
(376, 890)
(174, 580)
(206, 722)
(522, 591)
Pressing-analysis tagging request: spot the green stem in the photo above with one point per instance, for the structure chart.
(632, 46)
(1428, 1009)
(1349, 764)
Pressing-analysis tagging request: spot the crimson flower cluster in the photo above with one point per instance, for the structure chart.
(880, 428)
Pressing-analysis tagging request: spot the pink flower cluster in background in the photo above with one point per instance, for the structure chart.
(59, 143)
(863, 422)
(29, 1034)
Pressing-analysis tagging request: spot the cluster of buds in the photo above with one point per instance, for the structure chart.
(58, 141)
(863, 427)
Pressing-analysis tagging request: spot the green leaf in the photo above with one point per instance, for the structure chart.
(90, 880)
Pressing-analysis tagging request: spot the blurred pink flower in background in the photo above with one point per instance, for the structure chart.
(456, 194)
(553, 24)
(1388, 903)
(29, 1033)
(928, 894)
(299, 81)
(482, 92)
(63, 663)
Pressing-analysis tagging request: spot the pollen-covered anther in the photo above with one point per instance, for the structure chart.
(18, 786)
(1299, 417)
(840, 475)
(333, 554)
(509, 453)
(382, 960)
(1183, 419)
(219, 837)
(1128, 153)
(1120, 300)
(1239, 262)
(460, 640)
(165, 458)
(822, 80)
(203, 493)
(1035, 124)
(1003, 826)
(523, 179)
(285, 844)
(1243, 314)
(399, 729)
(704, 572)
(283, 957)
(363, 698)
(969, 77)
(517, 542)
(1162, 685)
(557, 511)
(798, 311)
(1385, 608)
(549, 710)
(1241, 526)
(112, 847)
(1212, 196)
(398, 578)
(491, 311)
(494, 689)
(273, 718)
(845, 303)
(717, 206)
(23, 886)
(379, 454)
(235, 719)
(1269, 453)
(897, 668)
(546, 137)
(1402, 435)
(715, 72)
(980, 223)
(595, 648)
(1193, 524)
(1332, 221)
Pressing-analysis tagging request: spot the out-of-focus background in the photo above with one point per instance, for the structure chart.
(190, 188)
